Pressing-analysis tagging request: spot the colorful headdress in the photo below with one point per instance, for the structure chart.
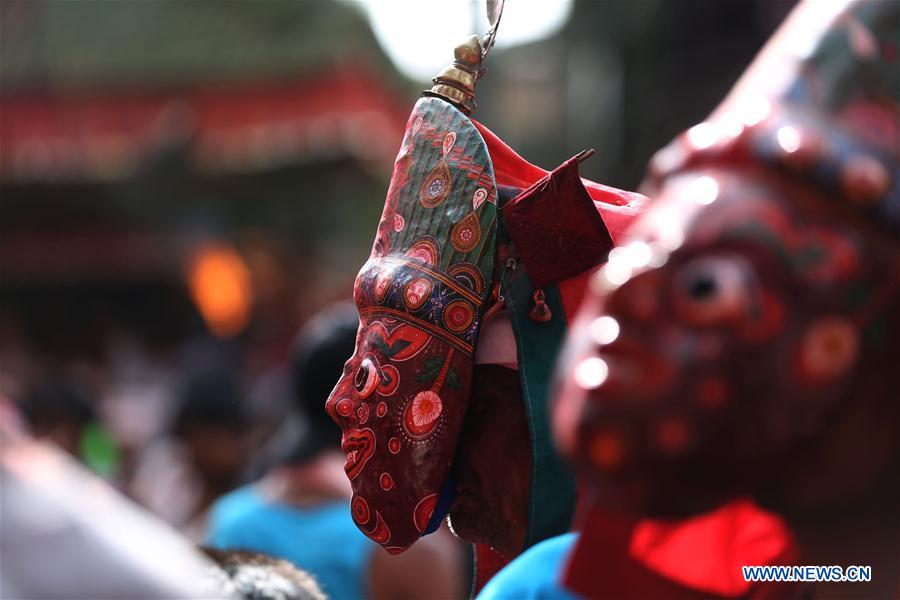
(467, 224)
(759, 297)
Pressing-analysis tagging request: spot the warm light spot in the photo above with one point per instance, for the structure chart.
(637, 254)
(731, 125)
(659, 254)
(702, 136)
(617, 253)
(755, 110)
(219, 283)
(591, 373)
(788, 139)
(704, 190)
(617, 272)
(604, 330)
(670, 235)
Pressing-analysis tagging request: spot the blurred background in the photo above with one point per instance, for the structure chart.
(184, 183)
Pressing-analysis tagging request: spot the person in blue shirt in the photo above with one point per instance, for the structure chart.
(300, 509)
(534, 575)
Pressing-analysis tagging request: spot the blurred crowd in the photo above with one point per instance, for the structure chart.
(230, 466)
(173, 437)
(177, 257)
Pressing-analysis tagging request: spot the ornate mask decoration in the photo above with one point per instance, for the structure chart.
(443, 255)
(760, 294)
(755, 301)
(420, 297)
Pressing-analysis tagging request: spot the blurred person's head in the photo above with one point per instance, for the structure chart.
(59, 410)
(317, 357)
(256, 576)
(212, 423)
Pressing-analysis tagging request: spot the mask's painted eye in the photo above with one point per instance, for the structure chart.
(702, 287)
(829, 348)
(711, 291)
(366, 379)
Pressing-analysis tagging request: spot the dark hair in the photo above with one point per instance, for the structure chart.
(212, 397)
(255, 576)
(55, 401)
(317, 361)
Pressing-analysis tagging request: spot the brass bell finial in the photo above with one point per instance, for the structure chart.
(456, 83)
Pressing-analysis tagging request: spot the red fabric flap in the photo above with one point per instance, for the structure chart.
(622, 557)
(556, 227)
(708, 551)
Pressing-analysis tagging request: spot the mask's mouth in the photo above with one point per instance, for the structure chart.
(359, 446)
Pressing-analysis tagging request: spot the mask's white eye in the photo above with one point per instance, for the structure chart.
(711, 291)
(366, 379)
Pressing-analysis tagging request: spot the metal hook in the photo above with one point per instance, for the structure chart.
(494, 10)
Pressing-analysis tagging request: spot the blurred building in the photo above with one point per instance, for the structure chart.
(150, 147)
(181, 185)
(622, 77)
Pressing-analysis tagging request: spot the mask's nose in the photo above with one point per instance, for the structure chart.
(339, 405)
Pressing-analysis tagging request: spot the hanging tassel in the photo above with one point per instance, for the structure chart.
(540, 312)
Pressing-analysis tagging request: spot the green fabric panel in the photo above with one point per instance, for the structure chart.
(552, 501)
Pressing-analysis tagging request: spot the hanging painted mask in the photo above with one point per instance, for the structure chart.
(468, 225)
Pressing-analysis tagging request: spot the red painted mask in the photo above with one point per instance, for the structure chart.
(756, 300)
(761, 292)
(420, 298)
(442, 255)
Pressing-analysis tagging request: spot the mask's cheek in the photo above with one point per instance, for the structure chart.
(402, 435)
